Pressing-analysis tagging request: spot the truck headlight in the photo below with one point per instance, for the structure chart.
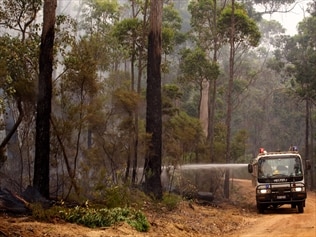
(263, 191)
(298, 189)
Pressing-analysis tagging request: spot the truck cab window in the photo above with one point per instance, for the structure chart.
(265, 168)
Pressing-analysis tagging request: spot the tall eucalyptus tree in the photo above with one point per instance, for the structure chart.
(204, 22)
(152, 166)
(241, 32)
(44, 99)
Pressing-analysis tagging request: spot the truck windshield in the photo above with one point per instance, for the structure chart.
(276, 167)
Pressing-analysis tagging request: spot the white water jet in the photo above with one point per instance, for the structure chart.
(173, 176)
(211, 166)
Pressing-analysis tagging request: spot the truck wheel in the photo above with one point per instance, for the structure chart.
(293, 205)
(300, 207)
(260, 208)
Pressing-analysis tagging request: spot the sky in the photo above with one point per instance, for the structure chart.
(290, 19)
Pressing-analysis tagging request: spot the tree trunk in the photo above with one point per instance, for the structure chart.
(42, 142)
(229, 102)
(213, 89)
(204, 106)
(311, 148)
(152, 166)
(307, 116)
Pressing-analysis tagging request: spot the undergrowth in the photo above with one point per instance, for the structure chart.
(106, 217)
(93, 217)
(171, 201)
(120, 205)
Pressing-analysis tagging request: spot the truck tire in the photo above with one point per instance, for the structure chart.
(300, 207)
(260, 208)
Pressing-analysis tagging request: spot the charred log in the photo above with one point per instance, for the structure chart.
(21, 203)
(11, 202)
(205, 196)
(200, 197)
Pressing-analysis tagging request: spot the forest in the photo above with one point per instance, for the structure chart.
(81, 118)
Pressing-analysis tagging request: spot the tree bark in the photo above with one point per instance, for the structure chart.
(229, 101)
(311, 148)
(204, 106)
(152, 166)
(213, 89)
(42, 140)
(307, 116)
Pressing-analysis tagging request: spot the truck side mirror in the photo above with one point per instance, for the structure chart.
(308, 164)
(250, 169)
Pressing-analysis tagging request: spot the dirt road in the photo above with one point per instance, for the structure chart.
(285, 222)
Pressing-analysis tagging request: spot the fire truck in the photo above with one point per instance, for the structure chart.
(279, 179)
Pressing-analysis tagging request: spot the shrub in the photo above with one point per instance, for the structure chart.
(171, 201)
(104, 217)
(93, 217)
(39, 213)
(139, 221)
(117, 196)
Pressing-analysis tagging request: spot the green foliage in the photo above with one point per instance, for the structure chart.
(42, 214)
(246, 29)
(105, 6)
(99, 14)
(103, 217)
(126, 99)
(17, 14)
(186, 128)
(172, 91)
(17, 72)
(238, 148)
(205, 31)
(219, 142)
(127, 31)
(171, 201)
(92, 217)
(171, 26)
(117, 196)
(98, 18)
(139, 221)
(170, 95)
(81, 65)
(301, 52)
(183, 136)
(195, 66)
(296, 57)
(204, 16)
(190, 99)
(171, 17)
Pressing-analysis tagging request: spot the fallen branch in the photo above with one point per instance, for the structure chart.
(21, 204)
(11, 202)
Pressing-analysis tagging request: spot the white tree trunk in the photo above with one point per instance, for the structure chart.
(204, 106)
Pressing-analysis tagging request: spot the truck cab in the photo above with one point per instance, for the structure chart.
(279, 179)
